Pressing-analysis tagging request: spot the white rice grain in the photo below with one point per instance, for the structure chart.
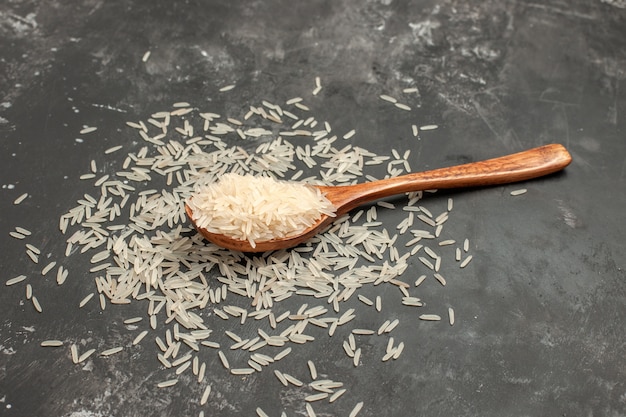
(349, 134)
(85, 300)
(519, 192)
(113, 149)
(388, 98)
(74, 353)
(25, 232)
(17, 235)
(312, 369)
(20, 199)
(223, 359)
(316, 397)
(168, 383)
(82, 358)
(466, 261)
(36, 304)
(292, 380)
(86, 130)
(51, 343)
(139, 337)
(205, 395)
(111, 351)
(357, 408)
(242, 371)
(48, 267)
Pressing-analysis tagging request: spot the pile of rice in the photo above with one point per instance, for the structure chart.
(205, 304)
(252, 208)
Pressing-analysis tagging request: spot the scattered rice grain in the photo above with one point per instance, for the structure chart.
(51, 343)
(20, 198)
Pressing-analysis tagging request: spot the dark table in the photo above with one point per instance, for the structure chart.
(540, 310)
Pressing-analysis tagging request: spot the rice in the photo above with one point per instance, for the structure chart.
(111, 351)
(36, 304)
(365, 300)
(451, 316)
(356, 409)
(316, 397)
(141, 248)
(168, 383)
(392, 325)
(139, 337)
(430, 317)
(113, 149)
(349, 134)
(17, 235)
(257, 208)
(51, 343)
(388, 98)
(15, 280)
(85, 300)
(466, 261)
(48, 267)
(363, 331)
(82, 358)
(292, 380)
(519, 192)
(428, 127)
(223, 359)
(25, 232)
(242, 371)
(440, 278)
(74, 353)
(20, 199)
(62, 275)
(205, 395)
(312, 369)
(336, 395)
(357, 357)
(282, 354)
(281, 377)
(86, 130)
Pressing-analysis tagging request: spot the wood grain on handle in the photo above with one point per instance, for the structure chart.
(516, 167)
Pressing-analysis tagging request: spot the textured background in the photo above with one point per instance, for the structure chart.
(540, 310)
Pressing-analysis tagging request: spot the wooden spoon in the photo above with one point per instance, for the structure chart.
(520, 166)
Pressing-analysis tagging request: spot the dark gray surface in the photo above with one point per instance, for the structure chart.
(540, 310)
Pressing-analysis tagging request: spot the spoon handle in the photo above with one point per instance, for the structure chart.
(520, 166)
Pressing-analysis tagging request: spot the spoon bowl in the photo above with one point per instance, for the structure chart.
(507, 169)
